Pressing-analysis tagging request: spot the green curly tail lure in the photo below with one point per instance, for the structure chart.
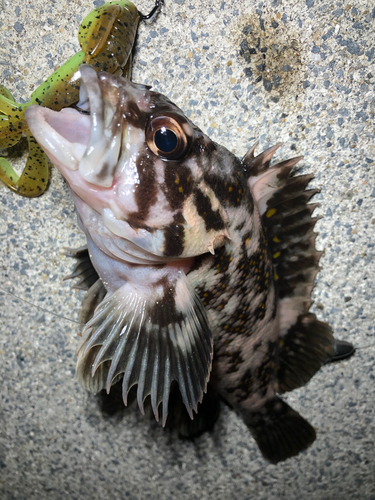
(106, 36)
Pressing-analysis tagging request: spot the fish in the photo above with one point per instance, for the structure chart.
(106, 36)
(198, 267)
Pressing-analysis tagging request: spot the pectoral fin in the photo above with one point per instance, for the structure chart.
(150, 336)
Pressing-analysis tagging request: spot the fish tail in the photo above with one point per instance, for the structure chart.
(279, 431)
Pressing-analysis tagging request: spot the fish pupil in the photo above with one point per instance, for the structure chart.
(165, 140)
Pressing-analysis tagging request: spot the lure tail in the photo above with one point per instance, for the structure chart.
(12, 121)
(34, 178)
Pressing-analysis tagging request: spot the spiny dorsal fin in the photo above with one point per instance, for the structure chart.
(256, 165)
(282, 198)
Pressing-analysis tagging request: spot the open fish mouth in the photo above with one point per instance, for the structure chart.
(90, 140)
(129, 156)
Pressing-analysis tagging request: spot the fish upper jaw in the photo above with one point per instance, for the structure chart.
(114, 107)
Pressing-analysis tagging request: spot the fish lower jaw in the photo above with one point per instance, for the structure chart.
(64, 135)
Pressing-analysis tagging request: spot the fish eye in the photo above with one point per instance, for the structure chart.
(165, 140)
(169, 136)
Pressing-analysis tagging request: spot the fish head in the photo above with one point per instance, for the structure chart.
(134, 158)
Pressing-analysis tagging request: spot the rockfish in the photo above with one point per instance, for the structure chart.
(203, 263)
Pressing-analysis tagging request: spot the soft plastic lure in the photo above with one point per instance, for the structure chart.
(106, 36)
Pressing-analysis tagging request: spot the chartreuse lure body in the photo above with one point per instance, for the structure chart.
(106, 36)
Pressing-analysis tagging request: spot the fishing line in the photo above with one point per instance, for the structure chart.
(39, 307)
(283, 361)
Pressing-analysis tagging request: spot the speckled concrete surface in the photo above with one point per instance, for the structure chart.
(314, 91)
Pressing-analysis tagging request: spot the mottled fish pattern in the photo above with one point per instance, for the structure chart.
(199, 265)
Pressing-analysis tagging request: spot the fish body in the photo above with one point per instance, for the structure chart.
(203, 262)
(106, 36)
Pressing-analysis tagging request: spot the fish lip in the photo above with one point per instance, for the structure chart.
(65, 146)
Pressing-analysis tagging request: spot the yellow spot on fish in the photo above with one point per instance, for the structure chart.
(271, 212)
(276, 276)
(275, 255)
(181, 189)
(230, 189)
(276, 239)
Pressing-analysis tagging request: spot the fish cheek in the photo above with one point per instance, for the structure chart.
(178, 184)
(145, 194)
(223, 173)
(212, 218)
(174, 236)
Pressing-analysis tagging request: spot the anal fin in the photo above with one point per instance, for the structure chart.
(150, 336)
(280, 432)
